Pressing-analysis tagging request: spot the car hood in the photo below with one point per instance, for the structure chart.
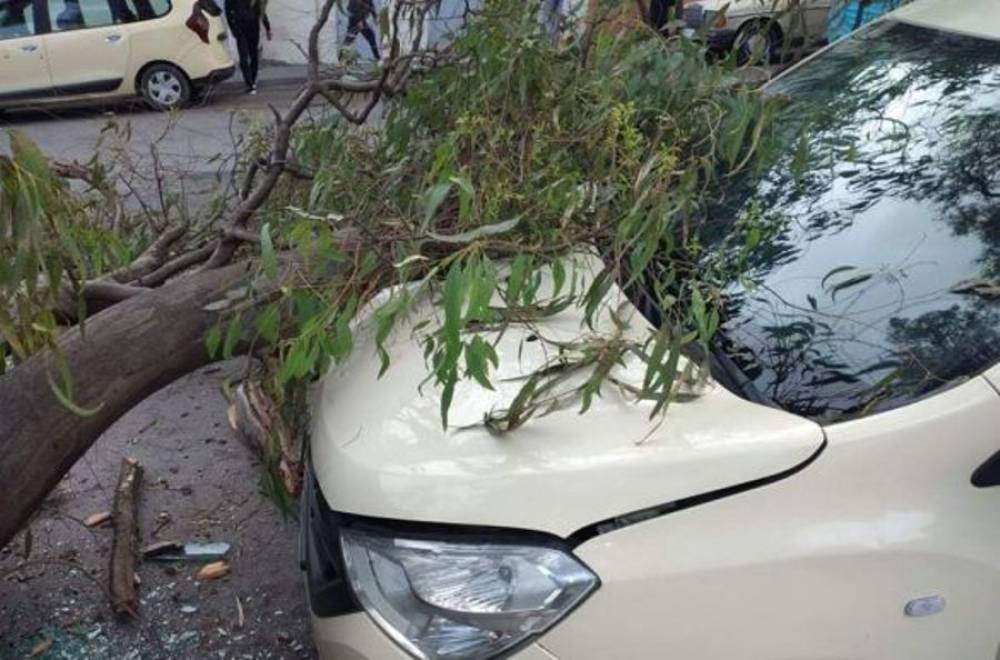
(378, 447)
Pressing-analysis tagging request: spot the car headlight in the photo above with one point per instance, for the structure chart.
(456, 599)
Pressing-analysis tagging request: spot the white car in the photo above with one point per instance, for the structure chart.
(758, 29)
(835, 493)
(60, 51)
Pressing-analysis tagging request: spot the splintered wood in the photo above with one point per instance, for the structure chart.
(256, 420)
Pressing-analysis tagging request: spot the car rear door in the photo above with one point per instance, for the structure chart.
(88, 47)
(24, 69)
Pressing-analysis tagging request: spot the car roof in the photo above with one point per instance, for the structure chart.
(979, 18)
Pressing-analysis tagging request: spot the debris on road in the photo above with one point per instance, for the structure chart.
(240, 619)
(124, 546)
(196, 552)
(162, 547)
(41, 647)
(95, 519)
(213, 571)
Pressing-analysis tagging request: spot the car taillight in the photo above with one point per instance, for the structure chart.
(198, 23)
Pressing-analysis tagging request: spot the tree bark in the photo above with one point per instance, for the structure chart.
(125, 546)
(128, 352)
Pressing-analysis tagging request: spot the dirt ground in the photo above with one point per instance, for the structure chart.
(199, 484)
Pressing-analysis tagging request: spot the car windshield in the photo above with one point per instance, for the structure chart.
(882, 284)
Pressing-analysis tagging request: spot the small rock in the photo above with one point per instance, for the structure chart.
(189, 609)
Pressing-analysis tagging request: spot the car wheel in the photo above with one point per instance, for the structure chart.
(165, 87)
(757, 42)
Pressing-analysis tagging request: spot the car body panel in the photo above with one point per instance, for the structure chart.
(379, 450)
(819, 565)
(103, 68)
(979, 18)
(24, 67)
(993, 376)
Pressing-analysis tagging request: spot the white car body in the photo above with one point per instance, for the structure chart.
(732, 530)
(113, 49)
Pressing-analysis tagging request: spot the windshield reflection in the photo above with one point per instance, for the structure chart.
(881, 285)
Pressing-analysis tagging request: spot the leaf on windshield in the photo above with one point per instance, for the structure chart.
(978, 287)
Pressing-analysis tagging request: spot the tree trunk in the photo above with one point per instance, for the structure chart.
(129, 351)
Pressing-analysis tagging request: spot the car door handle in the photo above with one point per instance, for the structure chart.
(30, 48)
(113, 38)
(988, 474)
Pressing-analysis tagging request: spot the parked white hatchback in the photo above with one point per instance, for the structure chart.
(57, 51)
(834, 494)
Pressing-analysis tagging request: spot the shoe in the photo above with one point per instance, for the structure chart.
(252, 91)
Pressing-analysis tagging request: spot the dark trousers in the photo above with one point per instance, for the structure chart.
(247, 34)
(661, 12)
(358, 12)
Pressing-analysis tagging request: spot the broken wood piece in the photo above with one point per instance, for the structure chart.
(125, 544)
(259, 425)
(213, 571)
(239, 613)
(157, 549)
(95, 519)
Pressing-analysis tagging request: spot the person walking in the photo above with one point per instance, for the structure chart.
(245, 18)
(358, 12)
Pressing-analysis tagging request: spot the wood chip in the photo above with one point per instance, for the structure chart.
(213, 571)
(239, 613)
(41, 647)
(95, 519)
(156, 549)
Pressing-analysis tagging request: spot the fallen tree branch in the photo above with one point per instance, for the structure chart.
(176, 265)
(151, 258)
(125, 545)
(129, 351)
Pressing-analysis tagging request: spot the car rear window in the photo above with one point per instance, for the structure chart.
(67, 15)
(883, 282)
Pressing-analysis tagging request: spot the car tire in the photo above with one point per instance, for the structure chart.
(165, 87)
(757, 42)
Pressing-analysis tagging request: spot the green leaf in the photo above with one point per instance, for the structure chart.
(213, 341)
(64, 395)
(847, 284)
(433, 199)
(267, 252)
(269, 324)
(234, 332)
(477, 233)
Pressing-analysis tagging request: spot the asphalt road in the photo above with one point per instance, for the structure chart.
(200, 483)
(189, 144)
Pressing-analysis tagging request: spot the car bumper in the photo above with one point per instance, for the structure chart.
(216, 76)
(356, 637)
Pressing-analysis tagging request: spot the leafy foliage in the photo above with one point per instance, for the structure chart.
(487, 174)
(49, 242)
